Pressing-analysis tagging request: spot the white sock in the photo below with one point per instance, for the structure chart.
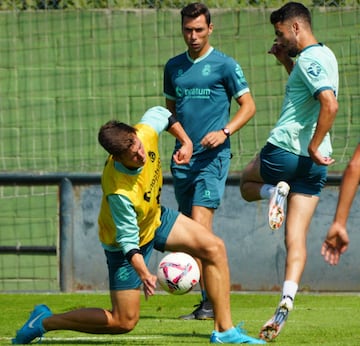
(289, 289)
(266, 191)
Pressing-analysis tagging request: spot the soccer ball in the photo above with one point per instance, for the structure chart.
(178, 273)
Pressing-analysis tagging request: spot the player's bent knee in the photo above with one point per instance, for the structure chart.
(214, 250)
(245, 193)
(124, 324)
(124, 327)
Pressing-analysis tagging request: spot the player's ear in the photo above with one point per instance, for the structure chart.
(295, 27)
(211, 28)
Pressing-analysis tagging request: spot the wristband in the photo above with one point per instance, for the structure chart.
(172, 120)
(131, 253)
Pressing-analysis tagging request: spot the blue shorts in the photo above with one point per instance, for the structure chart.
(122, 275)
(201, 183)
(300, 172)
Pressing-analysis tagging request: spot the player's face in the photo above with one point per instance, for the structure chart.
(135, 157)
(286, 38)
(196, 34)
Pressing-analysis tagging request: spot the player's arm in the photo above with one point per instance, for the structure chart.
(327, 114)
(348, 188)
(244, 113)
(127, 237)
(183, 155)
(162, 119)
(171, 106)
(337, 240)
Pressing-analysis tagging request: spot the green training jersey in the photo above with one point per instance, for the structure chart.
(316, 69)
(203, 89)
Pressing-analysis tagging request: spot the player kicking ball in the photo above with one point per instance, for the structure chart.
(132, 223)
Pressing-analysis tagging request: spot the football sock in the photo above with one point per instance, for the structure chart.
(266, 191)
(203, 296)
(289, 289)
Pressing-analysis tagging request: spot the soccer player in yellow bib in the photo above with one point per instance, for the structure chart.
(132, 223)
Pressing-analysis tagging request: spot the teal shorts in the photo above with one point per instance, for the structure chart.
(300, 172)
(201, 183)
(122, 275)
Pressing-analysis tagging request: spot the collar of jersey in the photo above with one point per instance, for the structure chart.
(121, 168)
(202, 57)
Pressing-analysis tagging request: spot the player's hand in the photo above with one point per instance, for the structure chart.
(335, 243)
(319, 159)
(280, 53)
(213, 139)
(183, 155)
(149, 284)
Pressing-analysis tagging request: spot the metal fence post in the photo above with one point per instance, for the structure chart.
(66, 235)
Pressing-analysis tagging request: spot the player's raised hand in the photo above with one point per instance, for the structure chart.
(282, 55)
(335, 243)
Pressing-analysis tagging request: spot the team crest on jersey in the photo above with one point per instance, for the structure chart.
(206, 70)
(180, 72)
(152, 156)
(314, 69)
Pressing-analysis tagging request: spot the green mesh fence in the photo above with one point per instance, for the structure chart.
(64, 73)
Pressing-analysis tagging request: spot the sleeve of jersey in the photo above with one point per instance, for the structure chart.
(124, 216)
(235, 79)
(156, 117)
(314, 75)
(169, 91)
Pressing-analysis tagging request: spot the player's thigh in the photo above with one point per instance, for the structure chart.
(209, 184)
(191, 237)
(300, 210)
(251, 172)
(183, 182)
(126, 305)
(203, 215)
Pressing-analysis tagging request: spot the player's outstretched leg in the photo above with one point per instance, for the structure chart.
(33, 327)
(276, 205)
(235, 335)
(272, 327)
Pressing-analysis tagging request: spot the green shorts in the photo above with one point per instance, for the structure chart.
(122, 275)
(201, 183)
(300, 172)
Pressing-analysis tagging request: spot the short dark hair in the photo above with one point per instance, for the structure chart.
(195, 10)
(116, 137)
(289, 11)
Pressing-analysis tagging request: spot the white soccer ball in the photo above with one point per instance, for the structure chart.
(178, 273)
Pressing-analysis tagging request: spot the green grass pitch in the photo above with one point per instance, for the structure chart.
(317, 319)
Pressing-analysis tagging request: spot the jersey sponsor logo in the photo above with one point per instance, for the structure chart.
(195, 93)
(155, 177)
(314, 69)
